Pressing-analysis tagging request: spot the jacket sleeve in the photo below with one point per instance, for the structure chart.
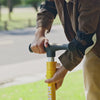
(87, 24)
(46, 15)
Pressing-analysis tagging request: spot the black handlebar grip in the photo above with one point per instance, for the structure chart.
(30, 48)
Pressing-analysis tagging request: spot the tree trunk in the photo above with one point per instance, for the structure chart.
(10, 7)
(9, 15)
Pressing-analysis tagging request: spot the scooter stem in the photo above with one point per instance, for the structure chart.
(51, 66)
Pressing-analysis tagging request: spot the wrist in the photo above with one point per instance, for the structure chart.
(64, 70)
(40, 31)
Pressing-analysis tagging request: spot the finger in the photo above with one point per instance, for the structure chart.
(35, 49)
(46, 42)
(51, 80)
(58, 84)
(41, 48)
(54, 79)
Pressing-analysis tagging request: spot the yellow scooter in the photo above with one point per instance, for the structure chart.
(51, 66)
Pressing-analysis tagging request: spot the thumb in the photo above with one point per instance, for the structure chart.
(46, 42)
(51, 80)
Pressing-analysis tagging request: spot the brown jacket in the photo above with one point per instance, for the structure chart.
(88, 20)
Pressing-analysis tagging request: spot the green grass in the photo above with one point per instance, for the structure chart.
(20, 20)
(72, 89)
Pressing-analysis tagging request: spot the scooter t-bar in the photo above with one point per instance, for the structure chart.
(51, 66)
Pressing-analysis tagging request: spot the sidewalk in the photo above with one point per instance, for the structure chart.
(21, 73)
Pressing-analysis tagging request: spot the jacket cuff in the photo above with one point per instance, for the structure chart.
(70, 59)
(45, 19)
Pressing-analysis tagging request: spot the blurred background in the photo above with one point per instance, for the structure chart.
(22, 73)
(17, 14)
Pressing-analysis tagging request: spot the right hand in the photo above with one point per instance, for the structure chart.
(39, 42)
(58, 77)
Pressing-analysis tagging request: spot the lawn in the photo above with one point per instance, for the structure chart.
(72, 89)
(20, 19)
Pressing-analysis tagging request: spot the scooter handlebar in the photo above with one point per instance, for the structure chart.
(51, 49)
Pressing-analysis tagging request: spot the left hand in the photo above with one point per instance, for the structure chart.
(58, 76)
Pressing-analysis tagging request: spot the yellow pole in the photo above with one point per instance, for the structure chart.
(51, 69)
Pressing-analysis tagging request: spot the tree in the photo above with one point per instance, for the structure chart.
(34, 3)
(10, 4)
